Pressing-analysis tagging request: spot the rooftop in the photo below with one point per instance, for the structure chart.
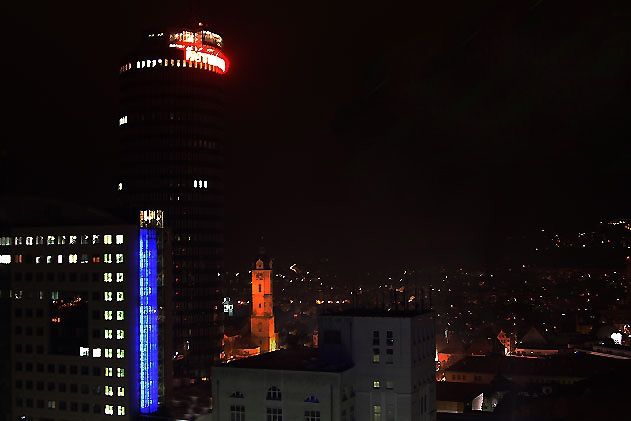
(303, 359)
(575, 365)
(376, 312)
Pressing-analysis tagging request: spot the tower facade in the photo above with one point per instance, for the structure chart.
(262, 319)
(171, 131)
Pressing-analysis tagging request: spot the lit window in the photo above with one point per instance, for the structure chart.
(119, 258)
(108, 315)
(18, 241)
(49, 259)
(39, 240)
(120, 372)
(107, 295)
(122, 120)
(108, 352)
(119, 277)
(120, 315)
(5, 259)
(195, 183)
(107, 239)
(109, 409)
(51, 405)
(60, 258)
(73, 258)
(50, 240)
(84, 352)
(29, 241)
(96, 239)
(109, 391)
(108, 334)
(120, 186)
(120, 296)
(73, 239)
(120, 353)
(119, 239)
(121, 410)
(84, 258)
(375, 384)
(205, 184)
(375, 355)
(96, 353)
(376, 413)
(108, 371)
(107, 277)
(107, 258)
(120, 334)
(121, 391)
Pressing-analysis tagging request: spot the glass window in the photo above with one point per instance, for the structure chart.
(375, 337)
(120, 391)
(107, 295)
(120, 372)
(120, 315)
(274, 414)
(375, 355)
(108, 352)
(108, 371)
(107, 239)
(121, 410)
(273, 394)
(109, 409)
(109, 391)
(107, 258)
(107, 277)
(312, 415)
(119, 277)
(120, 296)
(107, 315)
(119, 257)
(376, 413)
(119, 239)
(120, 334)
(376, 384)
(120, 353)
(237, 413)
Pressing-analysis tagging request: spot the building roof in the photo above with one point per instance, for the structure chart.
(458, 392)
(575, 365)
(376, 312)
(302, 359)
(37, 212)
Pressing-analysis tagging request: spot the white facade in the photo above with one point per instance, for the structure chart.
(393, 362)
(241, 394)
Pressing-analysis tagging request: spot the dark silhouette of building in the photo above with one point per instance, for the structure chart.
(171, 163)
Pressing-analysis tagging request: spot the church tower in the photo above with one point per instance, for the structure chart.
(262, 319)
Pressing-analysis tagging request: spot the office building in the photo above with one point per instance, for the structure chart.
(88, 332)
(171, 132)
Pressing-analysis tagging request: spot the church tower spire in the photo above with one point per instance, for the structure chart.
(262, 319)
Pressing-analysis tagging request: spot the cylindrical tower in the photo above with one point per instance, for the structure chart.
(171, 125)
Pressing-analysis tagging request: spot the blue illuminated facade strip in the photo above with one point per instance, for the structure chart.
(148, 322)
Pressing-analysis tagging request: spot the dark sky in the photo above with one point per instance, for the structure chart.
(374, 135)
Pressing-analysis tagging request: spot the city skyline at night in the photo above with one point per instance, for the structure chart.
(452, 131)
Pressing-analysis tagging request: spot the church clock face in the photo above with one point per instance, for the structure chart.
(259, 276)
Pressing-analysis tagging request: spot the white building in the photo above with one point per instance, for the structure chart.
(371, 365)
(283, 385)
(393, 361)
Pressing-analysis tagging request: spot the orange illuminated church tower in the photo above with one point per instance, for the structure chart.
(262, 320)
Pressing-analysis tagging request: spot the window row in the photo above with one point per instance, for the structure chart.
(67, 406)
(52, 240)
(83, 370)
(68, 276)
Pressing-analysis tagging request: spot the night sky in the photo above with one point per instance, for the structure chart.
(371, 136)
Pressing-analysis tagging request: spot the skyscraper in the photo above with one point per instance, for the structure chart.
(171, 126)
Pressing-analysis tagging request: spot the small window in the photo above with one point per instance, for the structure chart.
(375, 337)
(273, 394)
(312, 399)
(119, 239)
(312, 415)
(376, 384)
(237, 413)
(237, 394)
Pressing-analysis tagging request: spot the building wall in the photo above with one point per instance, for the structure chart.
(332, 390)
(59, 385)
(393, 358)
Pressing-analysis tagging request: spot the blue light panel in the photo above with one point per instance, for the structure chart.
(148, 321)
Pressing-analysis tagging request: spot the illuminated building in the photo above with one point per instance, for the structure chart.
(262, 319)
(88, 323)
(171, 131)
